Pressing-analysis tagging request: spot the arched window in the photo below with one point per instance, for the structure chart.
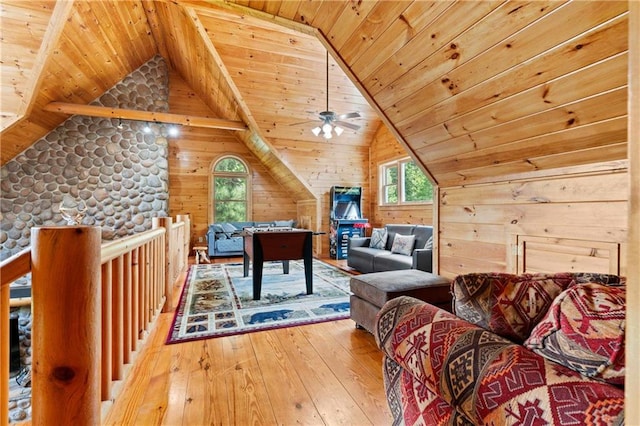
(231, 190)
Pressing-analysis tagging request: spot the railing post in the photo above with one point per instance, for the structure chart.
(187, 237)
(166, 223)
(65, 266)
(4, 353)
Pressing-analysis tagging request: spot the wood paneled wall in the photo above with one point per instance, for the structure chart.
(385, 148)
(325, 165)
(477, 223)
(191, 156)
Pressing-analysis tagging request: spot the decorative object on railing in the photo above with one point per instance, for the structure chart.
(72, 211)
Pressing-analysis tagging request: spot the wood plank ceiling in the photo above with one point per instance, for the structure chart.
(477, 91)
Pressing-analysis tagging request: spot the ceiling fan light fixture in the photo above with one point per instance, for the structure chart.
(316, 131)
(338, 130)
(327, 135)
(326, 127)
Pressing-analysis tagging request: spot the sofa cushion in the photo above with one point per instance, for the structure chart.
(378, 238)
(585, 330)
(387, 261)
(403, 244)
(507, 304)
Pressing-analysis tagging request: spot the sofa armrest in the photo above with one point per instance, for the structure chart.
(489, 379)
(358, 242)
(422, 260)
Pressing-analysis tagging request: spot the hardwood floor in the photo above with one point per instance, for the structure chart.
(321, 374)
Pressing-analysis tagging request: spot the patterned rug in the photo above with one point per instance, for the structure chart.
(218, 301)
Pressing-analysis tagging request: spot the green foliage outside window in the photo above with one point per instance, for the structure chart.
(416, 185)
(230, 191)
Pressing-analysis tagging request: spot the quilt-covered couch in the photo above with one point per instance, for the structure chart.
(224, 239)
(385, 251)
(543, 349)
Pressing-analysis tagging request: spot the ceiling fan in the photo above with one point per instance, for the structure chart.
(332, 121)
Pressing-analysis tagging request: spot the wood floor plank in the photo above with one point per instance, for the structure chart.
(206, 390)
(290, 400)
(247, 392)
(358, 375)
(331, 399)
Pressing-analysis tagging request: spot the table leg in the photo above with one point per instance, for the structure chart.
(285, 266)
(257, 278)
(245, 264)
(308, 274)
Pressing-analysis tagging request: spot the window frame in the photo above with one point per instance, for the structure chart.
(212, 187)
(400, 165)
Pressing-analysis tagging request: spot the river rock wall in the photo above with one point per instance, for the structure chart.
(119, 171)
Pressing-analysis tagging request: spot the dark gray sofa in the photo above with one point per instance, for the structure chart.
(224, 239)
(366, 259)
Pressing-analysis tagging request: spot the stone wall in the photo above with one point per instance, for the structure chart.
(116, 169)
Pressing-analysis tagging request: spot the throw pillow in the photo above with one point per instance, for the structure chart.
(509, 305)
(228, 229)
(403, 244)
(378, 238)
(585, 330)
(429, 244)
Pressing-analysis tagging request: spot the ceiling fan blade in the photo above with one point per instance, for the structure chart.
(349, 115)
(303, 122)
(347, 125)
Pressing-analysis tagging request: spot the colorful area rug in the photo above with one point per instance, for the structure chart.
(218, 301)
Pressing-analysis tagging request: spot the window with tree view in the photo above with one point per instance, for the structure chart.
(402, 182)
(231, 190)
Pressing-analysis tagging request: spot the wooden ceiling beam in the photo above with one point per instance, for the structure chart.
(157, 117)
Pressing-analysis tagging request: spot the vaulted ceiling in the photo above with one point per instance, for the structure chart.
(476, 91)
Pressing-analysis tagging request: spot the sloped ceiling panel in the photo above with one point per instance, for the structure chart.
(100, 43)
(486, 91)
(477, 91)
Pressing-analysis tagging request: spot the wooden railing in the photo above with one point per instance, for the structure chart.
(92, 308)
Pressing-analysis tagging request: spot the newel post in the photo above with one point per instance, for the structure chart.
(65, 267)
(166, 223)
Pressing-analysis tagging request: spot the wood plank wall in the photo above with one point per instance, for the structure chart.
(478, 222)
(385, 148)
(191, 156)
(324, 165)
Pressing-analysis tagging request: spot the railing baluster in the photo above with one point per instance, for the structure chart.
(118, 320)
(127, 308)
(135, 299)
(107, 329)
(5, 347)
